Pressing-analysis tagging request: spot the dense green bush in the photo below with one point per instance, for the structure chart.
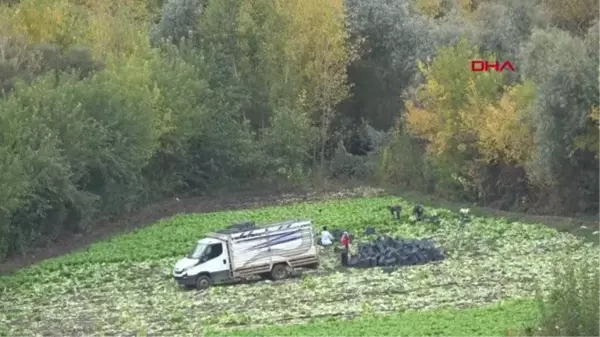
(80, 146)
(573, 306)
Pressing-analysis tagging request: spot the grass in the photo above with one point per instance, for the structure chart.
(123, 286)
(494, 320)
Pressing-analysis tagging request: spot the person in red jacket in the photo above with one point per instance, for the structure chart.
(345, 240)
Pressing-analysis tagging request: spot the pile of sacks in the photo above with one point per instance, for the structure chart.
(386, 251)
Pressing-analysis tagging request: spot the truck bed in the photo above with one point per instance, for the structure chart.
(256, 254)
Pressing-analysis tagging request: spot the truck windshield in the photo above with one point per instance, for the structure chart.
(197, 251)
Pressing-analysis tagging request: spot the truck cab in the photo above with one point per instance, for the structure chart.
(207, 262)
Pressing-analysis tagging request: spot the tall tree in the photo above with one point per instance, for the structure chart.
(438, 114)
(566, 79)
(396, 36)
(318, 49)
(477, 129)
(279, 55)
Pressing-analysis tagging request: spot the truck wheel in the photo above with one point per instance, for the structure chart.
(203, 282)
(279, 272)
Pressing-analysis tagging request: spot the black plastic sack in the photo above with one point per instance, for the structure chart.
(387, 252)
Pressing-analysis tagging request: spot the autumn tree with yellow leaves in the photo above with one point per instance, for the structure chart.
(505, 132)
(470, 120)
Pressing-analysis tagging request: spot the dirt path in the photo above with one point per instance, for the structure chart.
(70, 242)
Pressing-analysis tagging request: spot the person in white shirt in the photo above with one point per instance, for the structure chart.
(326, 237)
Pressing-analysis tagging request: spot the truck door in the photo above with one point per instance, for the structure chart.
(216, 262)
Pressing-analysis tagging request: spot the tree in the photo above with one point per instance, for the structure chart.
(317, 30)
(179, 19)
(118, 30)
(35, 178)
(278, 56)
(436, 113)
(440, 8)
(575, 16)
(296, 130)
(430, 8)
(395, 37)
(592, 40)
(587, 140)
(502, 27)
(567, 82)
(505, 132)
(447, 110)
(44, 21)
(82, 143)
(18, 61)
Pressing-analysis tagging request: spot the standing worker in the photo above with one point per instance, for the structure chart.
(326, 237)
(345, 240)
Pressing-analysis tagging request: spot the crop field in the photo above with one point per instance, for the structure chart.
(124, 286)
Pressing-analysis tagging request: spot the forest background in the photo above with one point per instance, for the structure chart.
(108, 105)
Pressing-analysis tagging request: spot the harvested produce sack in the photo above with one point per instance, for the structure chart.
(386, 251)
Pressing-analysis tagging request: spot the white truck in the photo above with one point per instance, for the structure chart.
(270, 251)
